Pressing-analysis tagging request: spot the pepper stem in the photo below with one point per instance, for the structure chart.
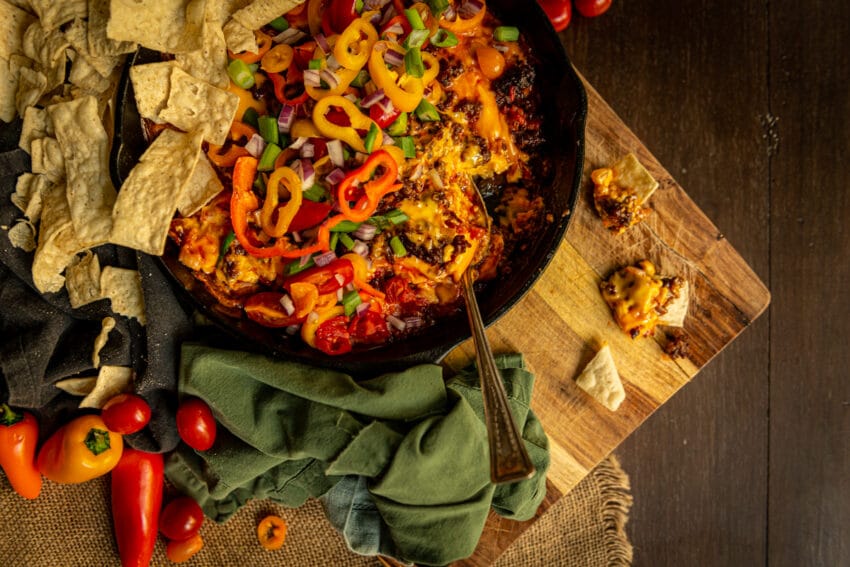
(9, 416)
(97, 441)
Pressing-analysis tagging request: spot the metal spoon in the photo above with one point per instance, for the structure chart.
(509, 461)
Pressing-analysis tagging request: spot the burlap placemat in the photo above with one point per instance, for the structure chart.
(70, 526)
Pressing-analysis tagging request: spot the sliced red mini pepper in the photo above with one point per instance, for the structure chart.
(309, 215)
(373, 190)
(279, 84)
(137, 483)
(18, 440)
(324, 277)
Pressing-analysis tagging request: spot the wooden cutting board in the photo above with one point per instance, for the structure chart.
(563, 319)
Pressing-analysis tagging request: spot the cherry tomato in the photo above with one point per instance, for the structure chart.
(559, 11)
(381, 118)
(369, 328)
(126, 414)
(265, 308)
(338, 15)
(181, 519)
(491, 62)
(271, 532)
(399, 292)
(182, 551)
(332, 336)
(196, 424)
(592, 8)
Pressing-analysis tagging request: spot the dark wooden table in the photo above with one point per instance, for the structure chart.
(747, 104)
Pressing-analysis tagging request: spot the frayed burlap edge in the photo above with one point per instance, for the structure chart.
(616, 492)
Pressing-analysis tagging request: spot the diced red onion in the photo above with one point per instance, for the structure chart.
(339, 294)
(302, 261)
(388, 140)
(335, 152)
(362, 307)
(389, 14)
(299, 141)
(256, 145)
(501, 48)
(289, 36)
(350, 96)
(332, 63)
(287, 304)
(308, 150)
(365, 231)
(292, 329)
(435, 179)
(414, 321)
(396, 322)
(323, 42)
(330, 78)
(360, 248)
(302, 111)
(304, 168)
(335, 176)
(286, 118)
(296, 237)
(312, 78)
(339, 279)
(471, 7)
(350, 287)
(386, 105)
(393, 57)
(375, 4)
(325, 259)
(395, 29)
(417, 172)
(372, 99)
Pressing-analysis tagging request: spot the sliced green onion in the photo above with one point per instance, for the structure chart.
(444, 38)
(254, 67)
(260, 185)
(416, 38)
(334, 240)
(413, 63)
(293, 268)
(346, 241)
(398, 248)
(240, 74)
(361, 79)
(268, 129)
(315, 64)
(506, 33)
(396, 216)
(399, 125)
(414, 18)
(407, 145)
(346, 226)
(350, 301)
(315, 193)
(251, 118)
(358, 6)
(279, 24)
(225, 244)
(371, 137)
(269, 155)
(427, 112)
(438, 6)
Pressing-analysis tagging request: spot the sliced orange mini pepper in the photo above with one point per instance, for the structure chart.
(373, 189)
(464, 25)
(277, 59)
(405, 91)
(347, 134)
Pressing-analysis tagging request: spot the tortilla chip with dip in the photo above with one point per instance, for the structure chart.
(171, 26)
(677, 307)
(123, 287)
(601, 380)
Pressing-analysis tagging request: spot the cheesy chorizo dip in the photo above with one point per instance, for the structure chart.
(349, 213)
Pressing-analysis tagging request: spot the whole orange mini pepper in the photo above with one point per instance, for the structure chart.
(80, 450)
(18, 439)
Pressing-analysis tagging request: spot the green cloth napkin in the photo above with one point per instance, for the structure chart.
(288, 432)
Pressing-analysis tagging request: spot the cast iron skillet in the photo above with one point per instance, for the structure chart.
(565, 108)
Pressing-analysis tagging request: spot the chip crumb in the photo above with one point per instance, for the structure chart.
(601, 380)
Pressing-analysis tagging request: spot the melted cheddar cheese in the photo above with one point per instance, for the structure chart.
(637, 296)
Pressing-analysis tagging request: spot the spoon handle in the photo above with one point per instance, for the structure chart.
(509, 461)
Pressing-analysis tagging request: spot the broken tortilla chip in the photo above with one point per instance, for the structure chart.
(82, 280)
(200, 189)
(210, 62)
(239, 39)
(111, 381)
(47, 159)
(37, 124)
(123, 287)
(194, 104)
(260, 12)
(601, 380)
(53, 14)
(22, 235)
(102, 338)
(32, 85)
(171, 26)
(99, 43)
(57, 242)
(77, 386)
(13, 24)
(28, 195)
(677, 307)
(151, 83)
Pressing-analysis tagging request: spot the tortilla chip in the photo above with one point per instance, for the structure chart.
(172, 26)
(87, 78)
(111, 381)
(47, 159)
(210, 62)
(194, 105)
(239, 38)
(200, 189)
(57, 242)
(600, 379)
(28, 195)
(260, 12)
(151, 83)
(77, 386)
(629, 172)
(45, 47)
(13, 23)
(82, 280)
(100, 341)
(36, 124)
(32, 85)
(22, 235)
(677, 309)
(99, 44)
(78, 35)
(219, 11)
(22, 4)
(53, 13)
(148, 199)
(8, 89)
(123, 287)
(85, 146)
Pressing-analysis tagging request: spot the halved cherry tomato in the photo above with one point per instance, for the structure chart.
(196, 424)
(309, 215)
(369, 328)
(399, 292)
(265, 308)
(271, 532)
(338, 15)
(126, 414)
(182, 551)
(181, 519)
(559, 12)
(332, 336)
(381, 118)
(324, 277)
(592, 8)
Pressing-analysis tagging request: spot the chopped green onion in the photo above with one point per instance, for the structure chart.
(371, 137)
(260, 185)
(293, 268)
(361, 79)
(413, 63)
(240, 74)
(444, 38)
(414, 18)
(438, 6)
(346, 154)
(427, 112)
(269, 155)
(225, 244)
(279, 24)
(350, 301)
(399, 125)
(346, 241)
(506, 33)
(268, 129)
(284, 141)
(358, 6)
(254, 67)
(251, 118)
(315, 193)
(398, 248)
(416, 38)
(396, 216)
(407, 145)
(334, 240)
(345, 226)
(315, 64)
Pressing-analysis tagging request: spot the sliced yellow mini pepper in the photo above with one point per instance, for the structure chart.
(308, 329)
(432, 68)
(80, 451)
(277, 59)
(279, 226)
(462, 26)
(347, 134)
(355, 43)
(405, 91)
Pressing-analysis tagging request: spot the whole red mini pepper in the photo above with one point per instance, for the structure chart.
(18, 439)
(137, 484)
